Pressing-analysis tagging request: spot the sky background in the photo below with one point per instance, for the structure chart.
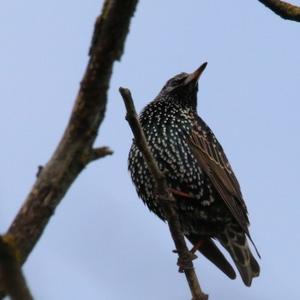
(102, 243)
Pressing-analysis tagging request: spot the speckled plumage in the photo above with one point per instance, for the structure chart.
(209, 200)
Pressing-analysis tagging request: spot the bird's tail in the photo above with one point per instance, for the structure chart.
(209, 249)
(235, 242)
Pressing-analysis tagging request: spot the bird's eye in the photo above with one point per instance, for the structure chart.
(177, 82)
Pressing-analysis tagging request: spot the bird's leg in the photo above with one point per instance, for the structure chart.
(197, 246)
(176, 193)
(179, 193)
(184, 262)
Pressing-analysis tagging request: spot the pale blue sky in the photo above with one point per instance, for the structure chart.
(102, 242)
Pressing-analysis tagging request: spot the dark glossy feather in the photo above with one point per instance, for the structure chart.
(214, 163)
(211, 252)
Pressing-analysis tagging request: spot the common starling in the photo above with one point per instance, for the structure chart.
(209, 202)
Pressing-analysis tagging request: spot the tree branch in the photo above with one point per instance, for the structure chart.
(97, 153)
(11, 274)
(283, 9)
(75, 151)
(167, 200)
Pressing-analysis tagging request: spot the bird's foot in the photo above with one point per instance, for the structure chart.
(185, 261)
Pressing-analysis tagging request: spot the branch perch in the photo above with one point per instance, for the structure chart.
(167, 200)
(284, 9)
(75, 150)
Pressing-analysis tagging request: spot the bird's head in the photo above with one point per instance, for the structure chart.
(183, 88)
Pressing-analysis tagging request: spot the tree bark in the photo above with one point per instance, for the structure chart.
(75, 150)
(11, 275)
(283, 9)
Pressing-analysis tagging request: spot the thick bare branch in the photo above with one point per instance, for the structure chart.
(283, 9)
(167, 200)
(11, 274)
(75, 150)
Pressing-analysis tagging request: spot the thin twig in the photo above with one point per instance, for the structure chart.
(284, 9)
(11, 275)
(97, 153)
(70, 156)
(167, 200)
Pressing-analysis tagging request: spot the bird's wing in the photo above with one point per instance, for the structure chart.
(213, 162)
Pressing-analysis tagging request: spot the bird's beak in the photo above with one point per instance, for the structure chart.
(193, 77)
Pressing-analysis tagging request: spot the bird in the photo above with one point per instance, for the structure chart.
(209, 201)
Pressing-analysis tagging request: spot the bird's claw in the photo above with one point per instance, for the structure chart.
(185, 261)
